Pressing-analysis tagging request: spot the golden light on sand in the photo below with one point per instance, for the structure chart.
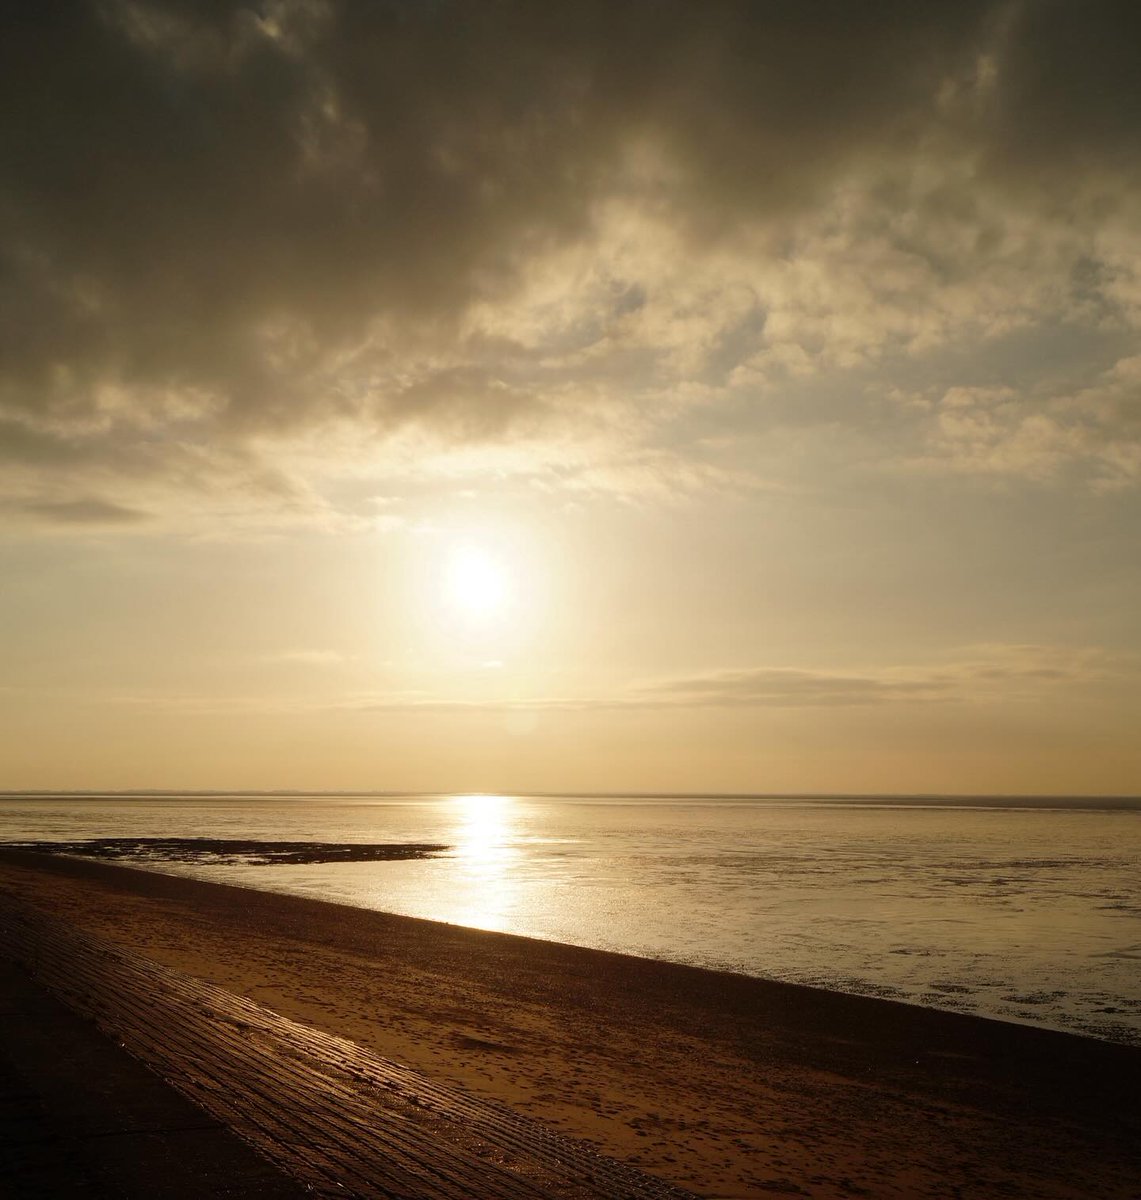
(475, 583)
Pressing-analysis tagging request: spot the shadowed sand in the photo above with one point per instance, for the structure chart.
(724, 1085)
(337, 1119)
(84, 1120)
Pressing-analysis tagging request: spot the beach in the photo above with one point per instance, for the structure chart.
(720, 1084)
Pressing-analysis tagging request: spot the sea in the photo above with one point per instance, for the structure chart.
(1023, 909)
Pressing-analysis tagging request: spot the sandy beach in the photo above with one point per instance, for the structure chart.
(721, 1084)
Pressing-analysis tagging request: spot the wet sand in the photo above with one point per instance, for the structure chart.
(724, 1085)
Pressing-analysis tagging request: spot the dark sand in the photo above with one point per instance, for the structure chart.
(84, 1120)
(725, 1085)
(338, 1119)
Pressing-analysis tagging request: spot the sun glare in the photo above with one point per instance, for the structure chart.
(484, 835)
(475, 583)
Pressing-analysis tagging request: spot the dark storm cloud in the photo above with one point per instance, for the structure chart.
(1067, 93)
(220, 220)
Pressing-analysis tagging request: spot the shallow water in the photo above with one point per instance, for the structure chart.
(1029, 911)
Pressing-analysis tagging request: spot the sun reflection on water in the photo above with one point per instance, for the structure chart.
(483, 836)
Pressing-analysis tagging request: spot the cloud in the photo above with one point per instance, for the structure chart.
(972, 674)
(787, 688)
(229, 232)
(88, 511)
(997, 431)
(969, 675)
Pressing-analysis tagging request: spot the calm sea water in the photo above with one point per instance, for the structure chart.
(1025, 910)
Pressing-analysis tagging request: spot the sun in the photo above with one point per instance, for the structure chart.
(475, 583)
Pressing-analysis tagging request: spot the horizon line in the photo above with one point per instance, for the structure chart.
(310, 793)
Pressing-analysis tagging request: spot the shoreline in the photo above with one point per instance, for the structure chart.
(795, 993)
(725, 1084)
(124, 852)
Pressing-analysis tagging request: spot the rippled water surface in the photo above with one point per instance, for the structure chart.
(1029, 911)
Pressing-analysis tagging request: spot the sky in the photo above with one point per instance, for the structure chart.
(641, 395)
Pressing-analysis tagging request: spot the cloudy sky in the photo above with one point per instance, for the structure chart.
(646, 395)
